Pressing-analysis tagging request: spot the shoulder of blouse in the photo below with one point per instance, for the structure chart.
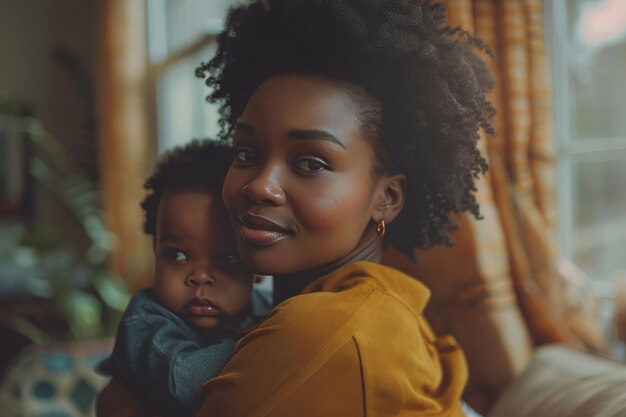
(374, 308)
(343, 302)
(380, 278)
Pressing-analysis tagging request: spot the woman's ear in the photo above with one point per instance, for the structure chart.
(391, 200)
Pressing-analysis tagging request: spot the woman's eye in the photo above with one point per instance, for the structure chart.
(245, 155)
(175, 255)
(310, 165)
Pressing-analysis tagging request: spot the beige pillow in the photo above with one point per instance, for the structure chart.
(562, 382)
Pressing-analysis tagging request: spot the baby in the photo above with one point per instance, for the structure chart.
(180, 333)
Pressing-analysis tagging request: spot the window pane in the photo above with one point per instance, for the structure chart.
(175, 24)
(596, 61)
(183, 114)
(599, 214)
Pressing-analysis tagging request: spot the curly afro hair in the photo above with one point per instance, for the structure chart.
(197, 164)
(425, 79)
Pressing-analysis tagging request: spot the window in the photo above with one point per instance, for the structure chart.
(181, 34)
(588, 53)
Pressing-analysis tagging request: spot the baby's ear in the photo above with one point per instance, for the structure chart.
(392, 193)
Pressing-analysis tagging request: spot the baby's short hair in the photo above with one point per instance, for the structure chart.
(201, 163)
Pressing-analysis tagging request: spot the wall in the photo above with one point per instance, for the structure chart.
(47, 64)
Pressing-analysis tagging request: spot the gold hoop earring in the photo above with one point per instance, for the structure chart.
(381, 229)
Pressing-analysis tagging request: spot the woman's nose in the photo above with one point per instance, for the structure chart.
(200, 278)
(265, 188)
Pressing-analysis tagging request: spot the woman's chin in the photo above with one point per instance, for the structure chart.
(265, 262)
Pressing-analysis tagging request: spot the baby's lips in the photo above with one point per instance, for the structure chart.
(205, 310)
(201, 307)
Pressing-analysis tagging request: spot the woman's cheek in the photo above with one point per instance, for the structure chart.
(335, 209)
(233, 184)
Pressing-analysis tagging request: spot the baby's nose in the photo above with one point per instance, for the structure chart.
(199, 278)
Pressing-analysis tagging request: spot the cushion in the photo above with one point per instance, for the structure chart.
(563, 382)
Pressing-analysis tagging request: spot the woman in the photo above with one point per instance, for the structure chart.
(352, 120)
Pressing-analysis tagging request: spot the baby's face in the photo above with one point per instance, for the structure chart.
(197, 271)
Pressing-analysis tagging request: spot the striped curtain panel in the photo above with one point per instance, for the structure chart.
(500, 290)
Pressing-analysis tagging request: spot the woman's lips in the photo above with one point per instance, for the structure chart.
(261, 237)
(261, 230)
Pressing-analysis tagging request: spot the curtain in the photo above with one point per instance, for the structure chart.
(123, 133)
(501, 290)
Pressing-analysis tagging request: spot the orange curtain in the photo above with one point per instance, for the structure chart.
(499, 290)
(123, 132)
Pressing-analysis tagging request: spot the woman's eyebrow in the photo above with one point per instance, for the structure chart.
(313, 134)
(299, 134)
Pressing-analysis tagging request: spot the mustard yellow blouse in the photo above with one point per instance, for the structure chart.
(354, 343)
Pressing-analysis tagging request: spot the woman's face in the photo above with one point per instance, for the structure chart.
(300, 191)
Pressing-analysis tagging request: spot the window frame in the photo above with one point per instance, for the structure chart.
(570, 150)
(160, 60)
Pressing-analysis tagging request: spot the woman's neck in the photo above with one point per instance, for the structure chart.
(369, 248)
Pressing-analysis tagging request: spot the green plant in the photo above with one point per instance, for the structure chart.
(85, 297)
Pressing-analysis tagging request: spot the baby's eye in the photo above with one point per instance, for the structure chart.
(245, 155)
(310, 165)
(174, 255)
(230, 259)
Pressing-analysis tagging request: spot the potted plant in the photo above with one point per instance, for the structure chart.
(69, 299)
